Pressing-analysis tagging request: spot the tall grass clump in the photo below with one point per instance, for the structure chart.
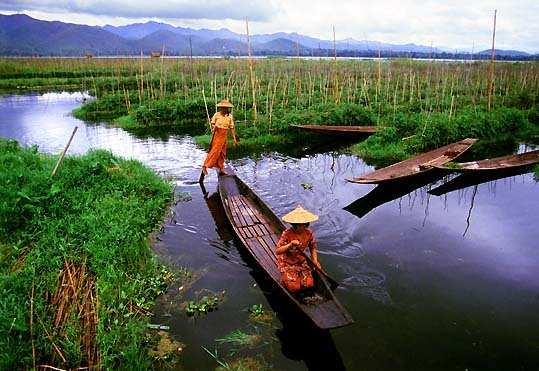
(77, 272)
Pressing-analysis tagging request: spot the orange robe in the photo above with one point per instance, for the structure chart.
(217, 154)
(296, 274)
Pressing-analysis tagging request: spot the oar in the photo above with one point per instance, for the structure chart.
(332, 282)
(202, 175)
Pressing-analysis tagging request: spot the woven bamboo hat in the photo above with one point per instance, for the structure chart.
(225, 103)
(299, 216)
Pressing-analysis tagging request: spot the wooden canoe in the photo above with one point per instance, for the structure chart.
(259, 229)
(495, 164)
(341, 130)
(416, 165)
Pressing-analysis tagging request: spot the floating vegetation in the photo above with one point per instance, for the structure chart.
(246, 364)
(166, 349)
(256, 310)
(240, 338)
(207, 303)
(307, 186)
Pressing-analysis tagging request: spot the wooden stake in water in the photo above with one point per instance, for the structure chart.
(64, 152)
(334, 46)
(492, 57)
(251, 72)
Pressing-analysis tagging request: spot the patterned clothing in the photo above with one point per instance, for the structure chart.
(296, 274)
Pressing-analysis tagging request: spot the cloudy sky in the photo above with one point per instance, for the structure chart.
(456, 24)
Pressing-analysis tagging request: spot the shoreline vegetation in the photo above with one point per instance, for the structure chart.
(78, 274)
(420, 105)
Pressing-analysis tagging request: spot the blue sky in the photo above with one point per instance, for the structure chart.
(457, 24)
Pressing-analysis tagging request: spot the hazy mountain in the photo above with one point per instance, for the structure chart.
(137, 31)
(505, 53)
(23, 35)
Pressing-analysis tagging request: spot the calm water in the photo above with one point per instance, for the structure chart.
(448, 280)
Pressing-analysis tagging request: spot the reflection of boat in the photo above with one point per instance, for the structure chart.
(416, 165)
(219, 216)
(387, 192)
(340, 130)
(471, 179)
(495, 164)
(258, 228)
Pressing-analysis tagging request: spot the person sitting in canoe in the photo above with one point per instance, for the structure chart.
(221, 122)
(296, 273)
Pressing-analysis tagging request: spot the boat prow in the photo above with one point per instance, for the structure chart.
(416, 165)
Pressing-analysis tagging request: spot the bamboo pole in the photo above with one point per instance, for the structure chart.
(206, 106)
(492, 57)
(64, 152)
(251, 72)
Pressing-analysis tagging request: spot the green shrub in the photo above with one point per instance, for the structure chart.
(97, 211)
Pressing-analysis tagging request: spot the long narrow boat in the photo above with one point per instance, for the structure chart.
(494, 164)
(341, 130)
(258, 228)
(416, 165)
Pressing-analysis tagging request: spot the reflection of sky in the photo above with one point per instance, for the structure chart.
(45, 120)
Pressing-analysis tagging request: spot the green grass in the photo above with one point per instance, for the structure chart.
(97, 211)
(421, 105)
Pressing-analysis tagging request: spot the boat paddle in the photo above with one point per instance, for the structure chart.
(332, 282)
(202, 175)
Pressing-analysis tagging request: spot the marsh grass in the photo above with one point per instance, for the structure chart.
(427, 104)
(97, 213)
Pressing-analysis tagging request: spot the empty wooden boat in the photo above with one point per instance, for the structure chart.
(416, 165)
(259, 229)
(340, 130)
(494, 164)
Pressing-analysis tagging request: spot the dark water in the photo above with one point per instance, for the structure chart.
(433, 281)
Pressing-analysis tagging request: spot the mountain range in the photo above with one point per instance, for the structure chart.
(21, 35)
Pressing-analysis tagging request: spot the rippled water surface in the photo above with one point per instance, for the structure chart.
(440, 280)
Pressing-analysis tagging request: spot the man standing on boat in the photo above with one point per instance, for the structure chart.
(221, 122)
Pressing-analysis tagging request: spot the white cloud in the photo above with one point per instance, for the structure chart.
(185, 9)
(456, 24)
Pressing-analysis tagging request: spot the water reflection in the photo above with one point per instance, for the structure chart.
(390, 191)
(470, 180)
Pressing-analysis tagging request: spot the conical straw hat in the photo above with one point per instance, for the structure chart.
(225, 103)
(300, 215)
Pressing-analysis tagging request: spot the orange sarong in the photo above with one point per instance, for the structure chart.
(217, 154)
(296, 274)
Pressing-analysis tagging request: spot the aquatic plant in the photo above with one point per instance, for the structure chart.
(239, 338)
